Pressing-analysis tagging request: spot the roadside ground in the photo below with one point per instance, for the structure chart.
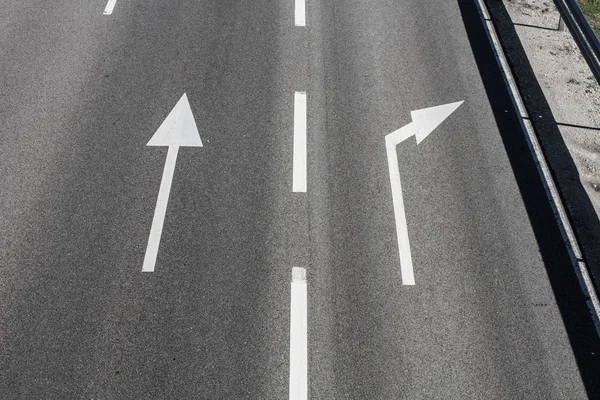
(591, 9)
(563, 100)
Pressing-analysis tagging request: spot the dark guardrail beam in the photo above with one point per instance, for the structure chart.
(582, 32)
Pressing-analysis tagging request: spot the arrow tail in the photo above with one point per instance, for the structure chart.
(406, 265)
(160, 210)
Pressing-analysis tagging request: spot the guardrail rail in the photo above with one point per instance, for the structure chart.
(582, 32)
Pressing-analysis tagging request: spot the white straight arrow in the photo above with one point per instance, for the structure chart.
(424, 122)
(178, 129)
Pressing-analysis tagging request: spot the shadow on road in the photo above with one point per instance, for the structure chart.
(571, 301)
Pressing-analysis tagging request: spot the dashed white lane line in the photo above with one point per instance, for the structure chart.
(110, 7)
(299, 161)
(300, 12)
(298, 336)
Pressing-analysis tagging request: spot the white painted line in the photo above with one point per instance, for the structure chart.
(300, 12)
(160, 210)
(298, 336)
(300, 156)
(110, 7)
(424, 122)
(558, 207)
(178, 129)
(406, 264)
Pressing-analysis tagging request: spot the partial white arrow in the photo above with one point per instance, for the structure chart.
(109, 7)
(424, 122)
(178, 129)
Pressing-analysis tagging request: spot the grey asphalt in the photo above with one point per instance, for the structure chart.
(493, 314)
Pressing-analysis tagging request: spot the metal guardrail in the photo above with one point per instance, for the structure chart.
(582, 32)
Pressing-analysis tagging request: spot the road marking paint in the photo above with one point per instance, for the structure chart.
(110, 7)
(298, 336)
(406, 264)
(300, 12)
(178, 129)
(160, 210)
(300, 154)
(424, 122)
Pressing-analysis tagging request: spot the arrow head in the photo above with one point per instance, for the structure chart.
(179, 128)
(427, 119)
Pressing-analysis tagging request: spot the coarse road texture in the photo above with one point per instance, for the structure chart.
(495, 313)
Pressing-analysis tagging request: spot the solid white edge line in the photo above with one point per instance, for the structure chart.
(300, 13)
(299, 158)
(110, 7)
(298, 335)
(560, 213)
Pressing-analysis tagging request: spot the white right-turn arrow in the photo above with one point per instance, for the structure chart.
(424, 122)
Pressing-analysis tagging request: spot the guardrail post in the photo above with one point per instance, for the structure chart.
(561, 24)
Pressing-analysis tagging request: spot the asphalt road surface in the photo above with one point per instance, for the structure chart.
(495, 311)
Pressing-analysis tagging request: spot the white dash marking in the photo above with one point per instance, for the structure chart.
(299, 161)
(298, 336)
(300, 12)
(110, 7)
(160, 210)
